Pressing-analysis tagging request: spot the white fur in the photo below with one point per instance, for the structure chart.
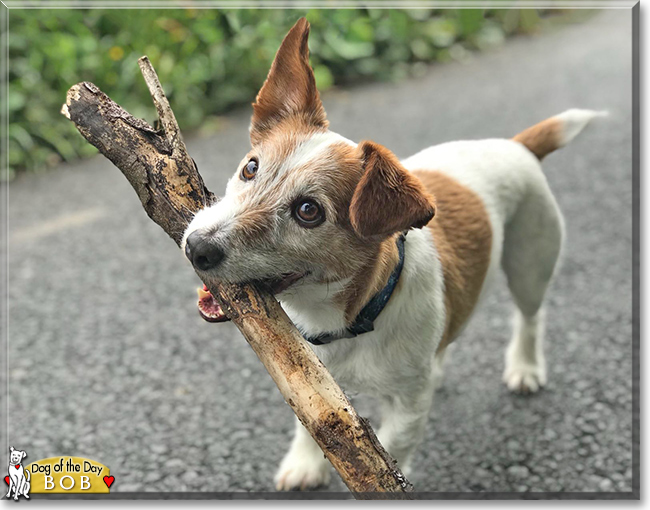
(220, 215)
(312, 149)
(574, 121)
(525, 364)
(304, 466)
(311, 306)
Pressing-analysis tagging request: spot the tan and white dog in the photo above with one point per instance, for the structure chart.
(320, 219)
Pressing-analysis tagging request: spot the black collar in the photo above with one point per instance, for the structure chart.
(364, 322)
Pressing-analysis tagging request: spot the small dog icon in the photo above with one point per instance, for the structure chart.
(19, 477)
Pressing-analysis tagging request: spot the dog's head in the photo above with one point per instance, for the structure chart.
(16, 456)
(304, 203)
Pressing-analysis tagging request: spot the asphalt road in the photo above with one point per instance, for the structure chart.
(109, 359)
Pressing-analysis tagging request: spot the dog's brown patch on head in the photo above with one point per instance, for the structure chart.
(542, 138)
(289, 89)
(463, 238)
(330, 174)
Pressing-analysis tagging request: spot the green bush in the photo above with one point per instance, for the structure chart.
(211, 60)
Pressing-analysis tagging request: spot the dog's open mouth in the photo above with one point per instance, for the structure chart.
(210, 310)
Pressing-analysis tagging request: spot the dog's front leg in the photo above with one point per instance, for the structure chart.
(404, 418)
(11, 484)
(304, 466)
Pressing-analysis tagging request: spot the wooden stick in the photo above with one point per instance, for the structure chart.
(165, 113)
(171, 190)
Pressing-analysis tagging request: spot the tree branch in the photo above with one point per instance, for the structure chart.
(166, 180)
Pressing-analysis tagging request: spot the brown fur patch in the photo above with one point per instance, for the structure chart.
(255, 224)
(290, 87)
(331, 177)
(380, 261)
(463, 237)
(542, 138)
(382, 202)
(388, 199)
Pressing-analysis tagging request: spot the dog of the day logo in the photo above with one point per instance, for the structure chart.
(18, 478)
(56, 475)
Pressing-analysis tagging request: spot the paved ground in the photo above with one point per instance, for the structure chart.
(109, 359)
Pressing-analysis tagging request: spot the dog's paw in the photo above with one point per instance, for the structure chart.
(301, 472)
(524, 378)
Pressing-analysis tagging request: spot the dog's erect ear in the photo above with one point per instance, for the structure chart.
(24, 454)
(11, 449)
(388, 198)
(290, 87)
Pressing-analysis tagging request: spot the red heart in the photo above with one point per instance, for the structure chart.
(17, 466)
(108, 480)
(7, 480)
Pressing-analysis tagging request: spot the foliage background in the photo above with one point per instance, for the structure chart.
(212, 60)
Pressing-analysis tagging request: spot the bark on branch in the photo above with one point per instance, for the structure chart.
(171, 190)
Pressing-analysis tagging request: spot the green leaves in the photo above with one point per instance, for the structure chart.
(470, 21)
(441, 32)
(324, 77)
(348, 49)
(211, 60)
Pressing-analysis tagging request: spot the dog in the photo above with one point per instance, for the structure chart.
(381, 262)
(19, 477)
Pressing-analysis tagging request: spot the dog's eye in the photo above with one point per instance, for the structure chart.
(249, 170)
(308, 213)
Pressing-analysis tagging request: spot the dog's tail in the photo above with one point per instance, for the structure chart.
(28, 475)
(555, 132)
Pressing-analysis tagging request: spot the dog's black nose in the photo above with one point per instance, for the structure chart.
(203, 254)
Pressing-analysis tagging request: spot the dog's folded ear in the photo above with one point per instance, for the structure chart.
(290, 87)
(388, 198)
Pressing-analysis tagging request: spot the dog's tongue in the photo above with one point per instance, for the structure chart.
(209, 309)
